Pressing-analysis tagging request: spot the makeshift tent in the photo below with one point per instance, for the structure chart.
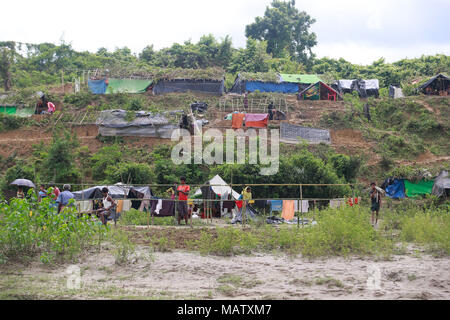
(300, 78)
(396, 190)
(118, 191)
(145, 124)
(97, 86)
(290, 133)
(284, 87)
(250, 214)
(16, 111)
(127, 85)
(242, 85)
(414, 190)
(208, 86)
(256, 120)
(395, 92)
(438, 85)
(219, 186)
(319, 91)
(365, 88)
(441, 185)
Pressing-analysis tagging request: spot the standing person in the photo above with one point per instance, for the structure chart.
(183, 192)
(270, 110)
(247, 197)
(375, 197)
(42, 193)
(64, 197)
(245, 101)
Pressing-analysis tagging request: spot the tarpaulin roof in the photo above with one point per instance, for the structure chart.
(117, 191)
(441, 183)
(439, 76)
(97, 86)
(219, 186)
(20, 112)
(144, 124)
(300, 78)
(414, 190)
(127, 85)
(320, 83)
(118, 119)
(396, 190)
(284, 87)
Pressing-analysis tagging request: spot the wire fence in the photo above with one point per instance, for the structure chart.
(212, 204)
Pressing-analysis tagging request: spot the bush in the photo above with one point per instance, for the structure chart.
(28, 227)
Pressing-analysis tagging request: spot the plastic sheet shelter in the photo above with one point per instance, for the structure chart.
(219, 186)
(395, 93)
(437, 85)
(16, 111)
(98, 86)
(290, 133)
(441, 185)
(127, 85)
(240, 86)
(396, 190)
(319, 91)
(207, 86)
(365, 88)
(418, 189)
(144, 124)
(117, 191)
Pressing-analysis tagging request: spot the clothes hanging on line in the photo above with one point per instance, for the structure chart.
(288, 212)
(301, 206)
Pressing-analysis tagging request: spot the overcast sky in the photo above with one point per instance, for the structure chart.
(359, 31)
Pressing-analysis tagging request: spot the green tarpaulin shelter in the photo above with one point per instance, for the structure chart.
(15, 111)
(300, 78)
(127, 85)
(414, 190)
(8, 109)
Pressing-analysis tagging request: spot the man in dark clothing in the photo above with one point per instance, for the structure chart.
(375, 198)
(270, 109)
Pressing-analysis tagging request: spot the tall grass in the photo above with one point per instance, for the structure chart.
(342, 233)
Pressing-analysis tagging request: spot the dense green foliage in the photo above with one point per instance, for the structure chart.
(28, 227)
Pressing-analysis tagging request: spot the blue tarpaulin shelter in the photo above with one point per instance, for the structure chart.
(283, 87)
(396, 190)
(97, 86)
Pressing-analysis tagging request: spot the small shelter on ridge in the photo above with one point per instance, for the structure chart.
(365, 88)
(143, 124)
(437, 85)
(319, 91)
(441, 185)
(206, 81)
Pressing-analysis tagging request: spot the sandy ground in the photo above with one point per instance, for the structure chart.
(188, 275)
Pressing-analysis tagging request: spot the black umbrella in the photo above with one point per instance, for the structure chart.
(23, 183)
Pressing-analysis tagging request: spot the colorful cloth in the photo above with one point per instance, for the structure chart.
(237, 120)
(288, 210)
(256, 120)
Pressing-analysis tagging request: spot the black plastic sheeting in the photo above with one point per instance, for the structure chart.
(215, 87)
(365, 88)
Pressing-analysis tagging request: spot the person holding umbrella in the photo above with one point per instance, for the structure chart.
(22, 183)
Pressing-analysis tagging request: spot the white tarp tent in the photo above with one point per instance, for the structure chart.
(219, 186)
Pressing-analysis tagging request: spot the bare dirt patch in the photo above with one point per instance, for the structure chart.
(183, 275)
